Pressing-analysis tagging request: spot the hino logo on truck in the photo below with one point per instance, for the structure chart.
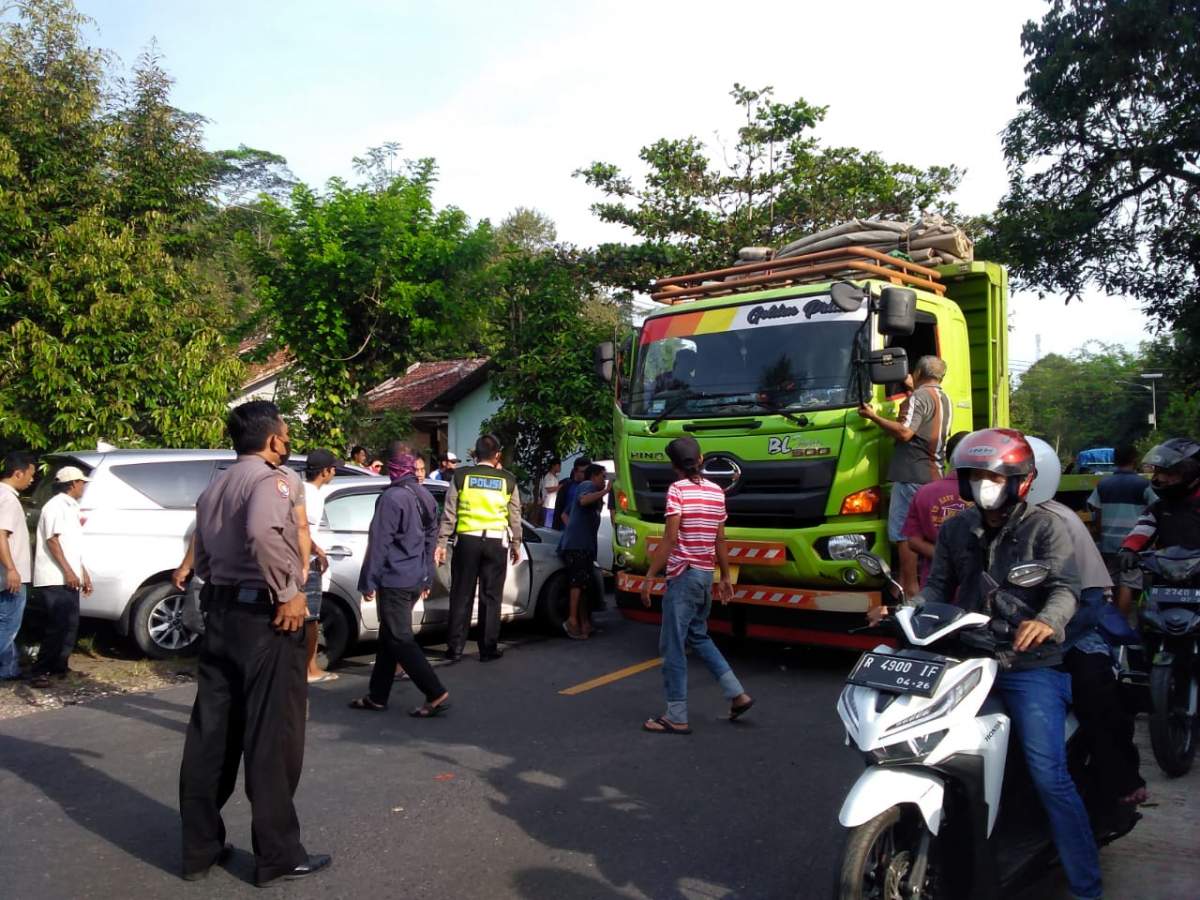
(778, 311)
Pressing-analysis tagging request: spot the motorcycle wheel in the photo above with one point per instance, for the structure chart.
(1172, 729)
(878, 858)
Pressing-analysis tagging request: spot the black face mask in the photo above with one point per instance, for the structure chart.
(1176, 491)
(287, 452)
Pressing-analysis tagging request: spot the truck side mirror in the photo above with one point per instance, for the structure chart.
(605, 357)
(897, 311)
(888, 365)
(846, 296)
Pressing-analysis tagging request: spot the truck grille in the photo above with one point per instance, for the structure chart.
(776, 494)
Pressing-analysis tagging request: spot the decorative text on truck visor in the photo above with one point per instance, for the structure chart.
(795, 311)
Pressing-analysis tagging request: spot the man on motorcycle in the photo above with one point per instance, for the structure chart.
(1173, 520)
(996, 470)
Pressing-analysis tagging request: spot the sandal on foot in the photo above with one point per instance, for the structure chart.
(738, 710)
(428, 710)
(368, 704)
(665, 726)
(574, 635)
(323, 677)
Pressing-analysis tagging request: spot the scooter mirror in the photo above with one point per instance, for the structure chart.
(1029, 574)
(873, 565)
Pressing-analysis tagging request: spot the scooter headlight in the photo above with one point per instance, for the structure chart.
(952, 698)
(907, 751)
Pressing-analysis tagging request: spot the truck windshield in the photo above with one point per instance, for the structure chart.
(778, 359)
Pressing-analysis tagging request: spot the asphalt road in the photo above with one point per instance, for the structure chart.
(518, 791)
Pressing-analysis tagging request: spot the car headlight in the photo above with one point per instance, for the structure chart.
(847, 546)
(626, 536)
(953, 697)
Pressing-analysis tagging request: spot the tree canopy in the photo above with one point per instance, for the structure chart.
(1103, 155)
(776, 182)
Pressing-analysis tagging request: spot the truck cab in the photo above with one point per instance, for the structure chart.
(766, 366)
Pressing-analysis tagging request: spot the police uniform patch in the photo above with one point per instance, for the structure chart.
(281, 485)
(485, 483)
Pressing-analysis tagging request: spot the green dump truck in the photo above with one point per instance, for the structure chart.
(765, 365)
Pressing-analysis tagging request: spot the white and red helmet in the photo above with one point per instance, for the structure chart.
(1001, 451)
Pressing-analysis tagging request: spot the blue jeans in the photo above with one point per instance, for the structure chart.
(12, 608)
(686, 606)
(902, 496)
(1037, 702)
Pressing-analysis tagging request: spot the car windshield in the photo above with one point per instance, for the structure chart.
(793, 354)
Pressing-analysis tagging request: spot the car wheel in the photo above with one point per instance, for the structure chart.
(157, 624)
(336, 632)
(554, 604)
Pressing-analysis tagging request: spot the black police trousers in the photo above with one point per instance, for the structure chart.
(482, 561)
(250, 703)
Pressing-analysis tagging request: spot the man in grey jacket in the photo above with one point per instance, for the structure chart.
(996, 470)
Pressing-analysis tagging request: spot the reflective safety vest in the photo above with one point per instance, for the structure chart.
(484, 493)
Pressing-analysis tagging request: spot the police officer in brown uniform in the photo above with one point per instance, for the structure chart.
(251, 691)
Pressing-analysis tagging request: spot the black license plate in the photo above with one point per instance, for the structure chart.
(897, 674)
(1163, 594)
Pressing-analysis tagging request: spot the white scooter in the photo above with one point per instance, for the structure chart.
(943, 809)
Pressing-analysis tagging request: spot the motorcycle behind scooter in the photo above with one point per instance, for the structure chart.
(1169, 619)
(943, 810)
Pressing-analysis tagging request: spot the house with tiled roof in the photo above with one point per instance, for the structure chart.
(449, 400)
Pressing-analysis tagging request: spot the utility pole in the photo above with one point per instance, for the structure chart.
(1153, 377)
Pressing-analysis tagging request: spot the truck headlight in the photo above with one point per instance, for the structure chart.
(626, 536)
(847, 546)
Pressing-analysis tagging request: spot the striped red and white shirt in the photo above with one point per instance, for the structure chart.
(700, 506)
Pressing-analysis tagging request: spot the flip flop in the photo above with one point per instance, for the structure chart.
(574, 635)
(426, 711)
(323, 677)
(368, 704)
(736, 712)
(666, 726)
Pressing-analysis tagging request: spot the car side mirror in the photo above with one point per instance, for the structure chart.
(888, 365)
(605, 358)
(897, 311)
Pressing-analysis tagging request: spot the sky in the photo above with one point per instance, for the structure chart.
(511, 98)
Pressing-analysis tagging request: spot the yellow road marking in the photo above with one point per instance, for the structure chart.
(611, 677)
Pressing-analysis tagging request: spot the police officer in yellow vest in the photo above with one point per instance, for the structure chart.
(483, 511)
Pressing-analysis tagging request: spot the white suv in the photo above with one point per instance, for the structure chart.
(138, 514)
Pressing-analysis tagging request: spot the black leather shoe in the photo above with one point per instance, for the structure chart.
(491, 655)
(315, 863)
(222, 858)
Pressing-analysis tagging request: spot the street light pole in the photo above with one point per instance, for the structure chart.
(1153, 377)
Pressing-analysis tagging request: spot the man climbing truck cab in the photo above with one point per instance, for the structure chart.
(765, 365)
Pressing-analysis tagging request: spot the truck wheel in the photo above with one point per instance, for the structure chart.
(157, 623)
(336, 632)
(1172, 728)
(878, 858)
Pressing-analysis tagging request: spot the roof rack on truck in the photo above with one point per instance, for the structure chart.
(825, 265)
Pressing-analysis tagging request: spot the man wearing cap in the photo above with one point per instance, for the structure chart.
(319, 469)
(250, 687)
(446, 466)
(59, 573)
(483, 511)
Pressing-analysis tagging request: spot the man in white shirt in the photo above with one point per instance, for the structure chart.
(16, 475)
(549, 492)
(59, 573)
(319, 469)
(446, 467)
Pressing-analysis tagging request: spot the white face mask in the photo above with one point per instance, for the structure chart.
(988, 494)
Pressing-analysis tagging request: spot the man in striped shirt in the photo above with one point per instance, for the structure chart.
(920, 453)
(692, 546)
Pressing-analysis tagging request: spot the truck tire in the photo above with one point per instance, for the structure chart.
(157, 624)
(337, 632)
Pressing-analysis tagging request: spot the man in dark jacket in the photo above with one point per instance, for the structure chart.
(564, 498)
(397, 572)
(996, 470)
